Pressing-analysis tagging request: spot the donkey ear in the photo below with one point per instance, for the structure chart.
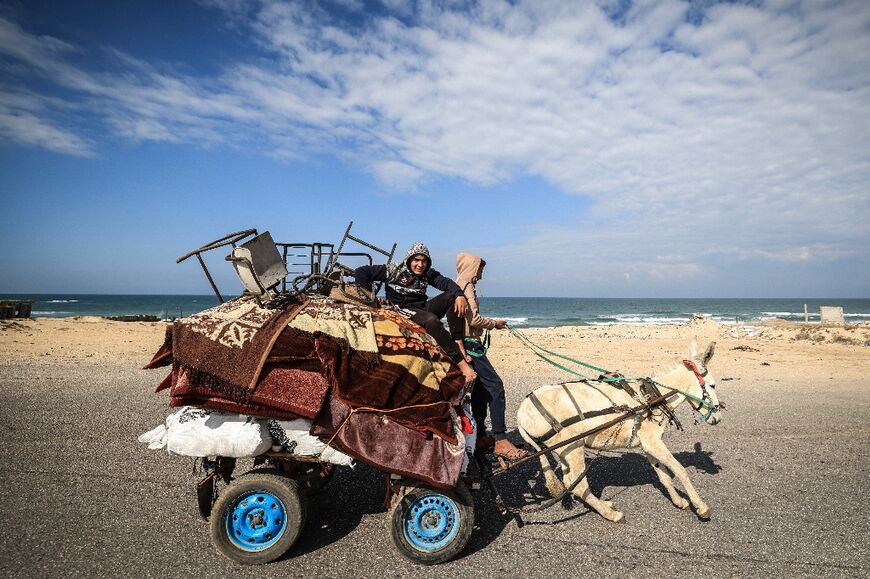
(708, 353)
(693, 349)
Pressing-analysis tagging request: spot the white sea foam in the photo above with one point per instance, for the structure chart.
(770, 315)
(61, 302)
(49, 313)
(516, 321)
(633, 320)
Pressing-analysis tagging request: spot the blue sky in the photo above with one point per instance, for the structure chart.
(610, 148)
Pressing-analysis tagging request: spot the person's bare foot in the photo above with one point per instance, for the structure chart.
(506, 449)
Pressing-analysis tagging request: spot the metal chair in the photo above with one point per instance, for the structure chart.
(339, 272)
(259, 265)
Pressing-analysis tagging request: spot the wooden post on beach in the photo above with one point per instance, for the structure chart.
(806, 314)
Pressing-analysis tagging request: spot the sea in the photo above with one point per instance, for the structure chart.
(527, 312)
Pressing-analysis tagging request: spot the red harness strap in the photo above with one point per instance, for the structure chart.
(694, 368)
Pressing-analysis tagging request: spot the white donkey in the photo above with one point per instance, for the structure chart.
(551, 414)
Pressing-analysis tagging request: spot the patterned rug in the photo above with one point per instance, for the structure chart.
(231, 341)
(349, 322)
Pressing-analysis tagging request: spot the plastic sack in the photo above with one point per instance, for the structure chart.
(470, 437)
(197, 432)
(293, 436)
(155, 438)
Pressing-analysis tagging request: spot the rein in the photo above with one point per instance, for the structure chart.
(703, 402)
(705, 399)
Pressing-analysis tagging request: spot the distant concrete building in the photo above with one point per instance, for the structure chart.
(832, 315)
(15, 309)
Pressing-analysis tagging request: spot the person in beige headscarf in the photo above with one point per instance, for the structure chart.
(488, 391)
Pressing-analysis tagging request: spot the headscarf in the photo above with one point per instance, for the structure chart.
(467, 268)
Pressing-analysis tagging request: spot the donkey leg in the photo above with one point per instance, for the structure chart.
(667, 482)
(574, 460)
(657, 450)
(551, 481)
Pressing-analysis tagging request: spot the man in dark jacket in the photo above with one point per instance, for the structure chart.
(406, 285)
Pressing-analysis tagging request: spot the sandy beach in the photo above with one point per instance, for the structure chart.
(786, 473)
(774, 350)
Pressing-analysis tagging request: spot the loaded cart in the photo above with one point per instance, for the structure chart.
(306, 373)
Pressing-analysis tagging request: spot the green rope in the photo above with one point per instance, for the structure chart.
(687, 395)
(535, 347)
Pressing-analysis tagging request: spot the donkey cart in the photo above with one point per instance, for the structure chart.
(256, 517)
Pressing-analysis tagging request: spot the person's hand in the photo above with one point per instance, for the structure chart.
(500, 324)
(460, 306)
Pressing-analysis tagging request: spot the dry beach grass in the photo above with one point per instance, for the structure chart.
(786, 473)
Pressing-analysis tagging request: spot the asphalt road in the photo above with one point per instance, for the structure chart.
(785, 473)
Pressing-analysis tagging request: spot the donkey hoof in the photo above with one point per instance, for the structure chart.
(681, 504)
(619, 518)
(704, 513)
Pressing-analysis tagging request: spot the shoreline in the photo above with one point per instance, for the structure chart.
(521, 312)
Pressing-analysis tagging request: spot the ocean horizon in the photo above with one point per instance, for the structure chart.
(526, 312)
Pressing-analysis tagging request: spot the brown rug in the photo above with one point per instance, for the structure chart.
(231, 341)
(389, 446)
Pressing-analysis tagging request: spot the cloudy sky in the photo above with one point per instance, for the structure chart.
(613, 148)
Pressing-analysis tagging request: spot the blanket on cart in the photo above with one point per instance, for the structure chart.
(348, 322)
(375, 385)
(282, 393)
(227, 344)
(323, 346)
(387, 445)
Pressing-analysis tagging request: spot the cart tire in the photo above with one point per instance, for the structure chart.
(257, 518)
(430, 526)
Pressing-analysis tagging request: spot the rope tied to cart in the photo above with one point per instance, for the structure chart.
(375, 410)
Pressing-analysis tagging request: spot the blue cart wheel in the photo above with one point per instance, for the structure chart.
(256, 521)
(257, 518)
(429, 526)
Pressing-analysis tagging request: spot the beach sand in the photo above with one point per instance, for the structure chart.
(786, 472)
(774, 350)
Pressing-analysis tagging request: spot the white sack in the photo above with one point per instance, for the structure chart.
(198, 432)
(470, 439)
(293, 436)
(155, 438)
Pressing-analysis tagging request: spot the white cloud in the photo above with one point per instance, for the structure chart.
(24, 120)
(745, 128)
(397, 174)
